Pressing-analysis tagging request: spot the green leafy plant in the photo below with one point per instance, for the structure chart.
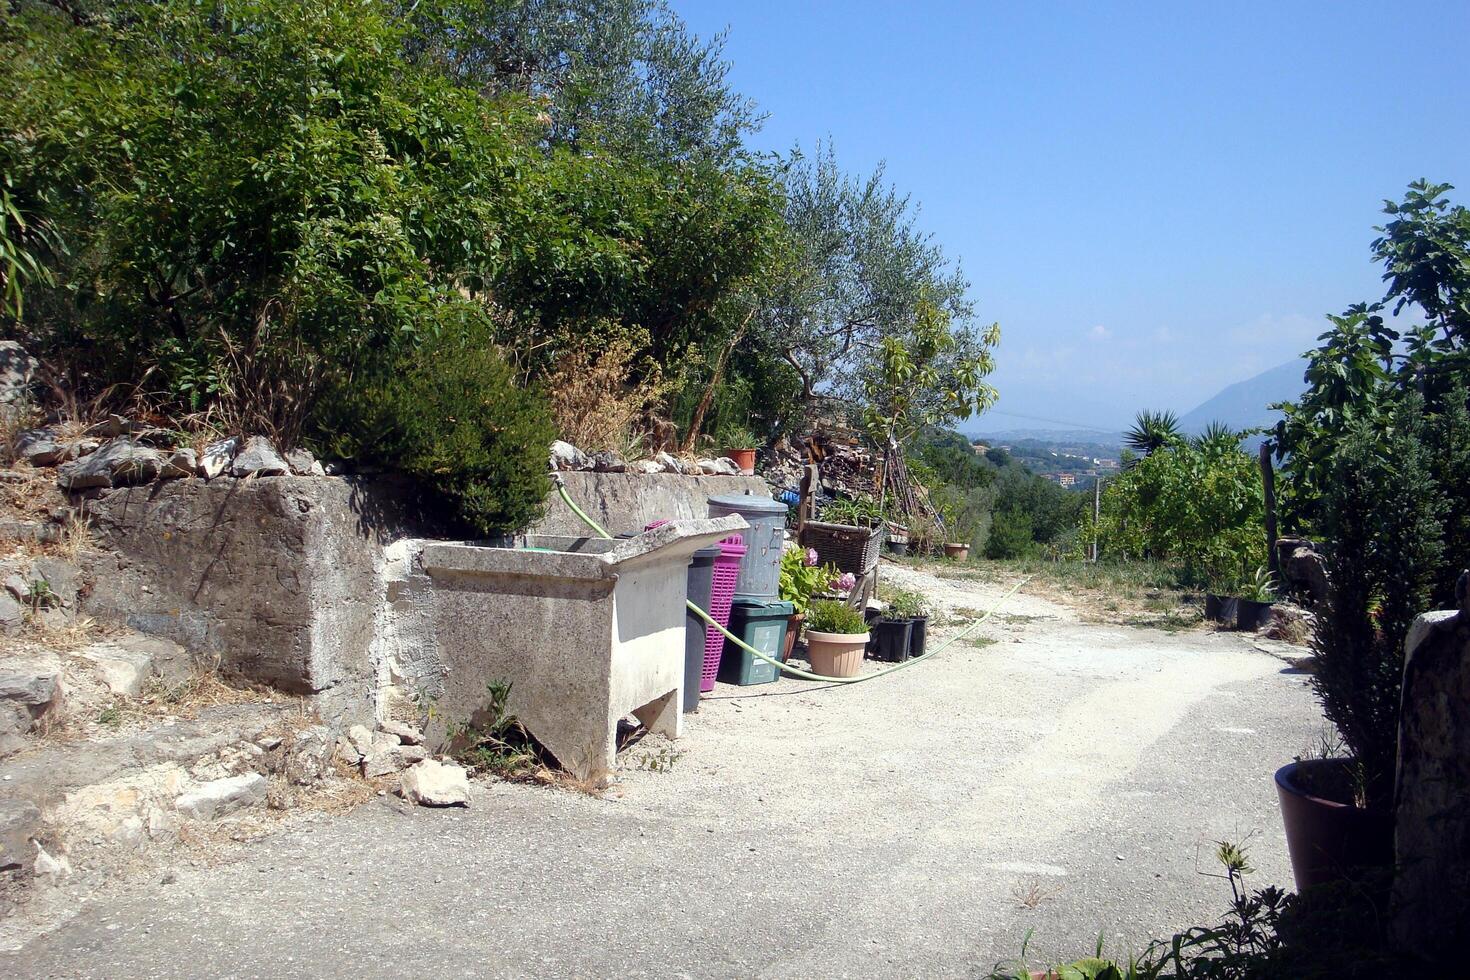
(862, 511)
(904, 604)
(454, 419)
(736, 437)
(493, 740)
(40, 596)
(1260, 587)
(801, 577)
(831, 616)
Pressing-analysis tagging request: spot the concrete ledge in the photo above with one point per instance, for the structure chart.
(628, 502)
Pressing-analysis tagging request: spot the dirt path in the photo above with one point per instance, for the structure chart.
(1058, 778)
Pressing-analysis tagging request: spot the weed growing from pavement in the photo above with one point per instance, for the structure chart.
(494, 740)
(660, 760)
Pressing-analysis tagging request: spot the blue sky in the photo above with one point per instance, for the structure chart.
(1153, 199)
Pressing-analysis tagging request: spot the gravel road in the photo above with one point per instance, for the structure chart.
(1060, 781)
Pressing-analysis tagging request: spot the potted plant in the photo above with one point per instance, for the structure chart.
(739, 446)
(836, 636)
(1255, 600)
(1380, 518)
(801, 578)
(900, 632)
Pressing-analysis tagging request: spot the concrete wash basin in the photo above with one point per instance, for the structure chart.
(586, 630)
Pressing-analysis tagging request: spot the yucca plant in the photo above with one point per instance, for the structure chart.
(1152, 431)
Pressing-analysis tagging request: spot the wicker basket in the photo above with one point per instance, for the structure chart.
(851, 549)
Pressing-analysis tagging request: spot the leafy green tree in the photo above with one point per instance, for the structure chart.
(859, 272)
(620, 74)
(1201, 506)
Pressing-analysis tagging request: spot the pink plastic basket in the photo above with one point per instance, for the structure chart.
(722, 591)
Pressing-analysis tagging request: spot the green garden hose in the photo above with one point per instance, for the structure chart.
(793, 671)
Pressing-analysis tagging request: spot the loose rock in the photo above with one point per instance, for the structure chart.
(433, 783)
(259, 458)
(718, 467)
(17, 372)
(302, 463)
(180, 464)
(607, 461)
(406, 734)
(565, 456)
(118, 463)
(217, 457)
(221, 797)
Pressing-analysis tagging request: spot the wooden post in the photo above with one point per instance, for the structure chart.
(1268, 484)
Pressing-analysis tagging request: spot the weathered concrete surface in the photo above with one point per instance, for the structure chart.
(1432, 796)
(891, 829)
(586, 634)
(278, 577)
(626, 502)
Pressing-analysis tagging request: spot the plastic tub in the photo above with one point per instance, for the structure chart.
(696, 631)
(760, 571)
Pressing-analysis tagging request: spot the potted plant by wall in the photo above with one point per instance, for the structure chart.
(836, 636)
(913, 607)
(1253, 605)
(1381, 516)
(739, 446)
(801, 578)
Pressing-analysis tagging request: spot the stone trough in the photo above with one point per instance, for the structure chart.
(587, 631)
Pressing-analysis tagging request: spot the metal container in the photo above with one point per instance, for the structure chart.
(760, 569)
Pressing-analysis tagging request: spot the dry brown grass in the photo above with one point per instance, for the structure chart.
(592, 402)
(204, 688)
(1030, 892)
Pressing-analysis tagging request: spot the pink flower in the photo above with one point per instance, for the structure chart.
(845, 582)
(811, 557)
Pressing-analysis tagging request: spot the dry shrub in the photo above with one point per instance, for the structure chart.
(600, 391)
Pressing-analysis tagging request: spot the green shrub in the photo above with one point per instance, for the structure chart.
(453, 419)
(903, 604)
(1381, 511)
(831, 616)
(1010, 535)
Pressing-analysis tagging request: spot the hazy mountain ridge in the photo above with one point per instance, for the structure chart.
(1246, 404)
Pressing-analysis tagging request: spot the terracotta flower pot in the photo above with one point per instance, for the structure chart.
(1328, 838)
(957, 551)
(793, 627)
(835, 654)
(744, 458)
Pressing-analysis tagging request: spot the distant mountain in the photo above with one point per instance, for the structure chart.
(1243, 405)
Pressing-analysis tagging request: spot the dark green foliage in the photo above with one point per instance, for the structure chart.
(1198, 504)
(453, 418)
(1011, 535)
(1382, 514)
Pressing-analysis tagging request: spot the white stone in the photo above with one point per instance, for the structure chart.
(217, 456)
(565, 456)
(719, 467)
(434, 783)
(406, 734)
(45, 864)
(123, 672)
(221, 797)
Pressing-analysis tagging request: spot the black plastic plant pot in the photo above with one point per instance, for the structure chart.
(889, 640)
(1221, 608)
(1251, 615)
(898, 546)
(917, 636)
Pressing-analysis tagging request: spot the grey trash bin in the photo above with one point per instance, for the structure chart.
(760, 569)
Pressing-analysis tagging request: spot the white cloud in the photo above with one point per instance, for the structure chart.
(1099, 332)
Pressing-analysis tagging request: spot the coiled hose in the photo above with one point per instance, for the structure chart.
(561, 489)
